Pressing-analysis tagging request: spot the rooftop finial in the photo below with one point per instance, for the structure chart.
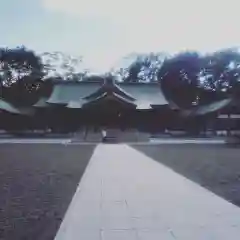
(109, 79)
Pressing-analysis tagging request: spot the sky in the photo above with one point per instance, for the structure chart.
(105, 30)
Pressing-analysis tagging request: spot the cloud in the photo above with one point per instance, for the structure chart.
(89, 8)
(146, 10)
(130, 11)
(161, 24)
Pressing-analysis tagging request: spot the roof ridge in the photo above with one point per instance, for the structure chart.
(106, 95)
(109, 88)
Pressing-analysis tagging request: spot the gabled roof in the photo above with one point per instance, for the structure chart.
(64, 92)
(108, 88)
(146, 94)
(142, 94)
(109, 97)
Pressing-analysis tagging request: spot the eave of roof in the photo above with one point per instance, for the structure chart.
(75, 104)
(8, 107)
(213, 107)
(206, 109)
(42, 103)
(145, 94)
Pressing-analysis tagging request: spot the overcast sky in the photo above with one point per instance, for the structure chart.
(104, 30)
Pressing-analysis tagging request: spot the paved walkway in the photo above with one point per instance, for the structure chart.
(187, 141)
(125, 195)
(35, 140)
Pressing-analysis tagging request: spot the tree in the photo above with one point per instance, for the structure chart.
(133, 71)
(60, 65)
(18, 63)
(21, 71)
(141, 67)
(221, 70)
(27, 91)
(179, 78)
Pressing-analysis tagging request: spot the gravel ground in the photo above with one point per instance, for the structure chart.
(37, 182)
(215, 167)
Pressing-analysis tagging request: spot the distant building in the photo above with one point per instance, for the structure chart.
(88, 103)
(102, 104)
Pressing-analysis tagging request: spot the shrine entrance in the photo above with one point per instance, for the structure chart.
(108, 114)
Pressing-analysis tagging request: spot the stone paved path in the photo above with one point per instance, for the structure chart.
(124, 195)
(35, 141)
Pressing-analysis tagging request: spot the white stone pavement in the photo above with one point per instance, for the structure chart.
(35, 141)
(69, 141)
(187, 141)
(125, 195)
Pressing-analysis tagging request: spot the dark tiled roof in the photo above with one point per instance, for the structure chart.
(112, 88)
(73, 93)
(113, 96)
(65, 92)
(145, 94)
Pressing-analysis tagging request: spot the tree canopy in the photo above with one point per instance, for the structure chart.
(186, 78)
(178, 77)
(18, 63)
(21, 74)
(189, 78)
